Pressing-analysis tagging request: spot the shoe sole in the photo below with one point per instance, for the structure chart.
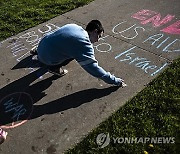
(124, 85)
(60, 75)
(33, 51)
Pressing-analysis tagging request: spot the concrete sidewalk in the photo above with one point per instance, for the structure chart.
(43, 114)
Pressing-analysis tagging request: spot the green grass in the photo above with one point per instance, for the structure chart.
(154, 112)
(19, 15)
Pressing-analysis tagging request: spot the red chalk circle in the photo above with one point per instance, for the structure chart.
(15, 109)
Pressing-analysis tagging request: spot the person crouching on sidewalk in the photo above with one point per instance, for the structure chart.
(72, 42)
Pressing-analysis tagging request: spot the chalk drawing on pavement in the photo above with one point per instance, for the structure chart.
(15, 109)
(132, 58)
(129, 31)
(148, 16)
(20, 46)
(160, 41)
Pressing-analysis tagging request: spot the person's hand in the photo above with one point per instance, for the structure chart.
(3, 135)
(121, 83)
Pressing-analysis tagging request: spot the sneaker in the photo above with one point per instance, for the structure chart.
(59, 72)
(33, 51)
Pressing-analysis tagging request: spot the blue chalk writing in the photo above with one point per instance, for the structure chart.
(17, 109)
(157, 39)
(125, 52)
(159, 69)
(140, 62)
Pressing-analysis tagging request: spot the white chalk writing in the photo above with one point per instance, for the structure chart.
(20, 50)
(131, 58)
(128, 30)
(104, 46)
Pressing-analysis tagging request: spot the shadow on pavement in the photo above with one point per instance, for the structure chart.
(17, 99)
(15, 102)
(71, 101)
(28, 62)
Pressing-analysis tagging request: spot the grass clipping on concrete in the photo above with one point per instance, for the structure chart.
(154, 112)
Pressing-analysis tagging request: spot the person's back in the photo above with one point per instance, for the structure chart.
(67, 42)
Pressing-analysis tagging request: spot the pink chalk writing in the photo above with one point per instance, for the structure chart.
(172, 29)
(143, 14)
(148, 16)
(156, 20)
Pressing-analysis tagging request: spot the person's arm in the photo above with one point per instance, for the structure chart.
(95, 70)
(85, 57)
